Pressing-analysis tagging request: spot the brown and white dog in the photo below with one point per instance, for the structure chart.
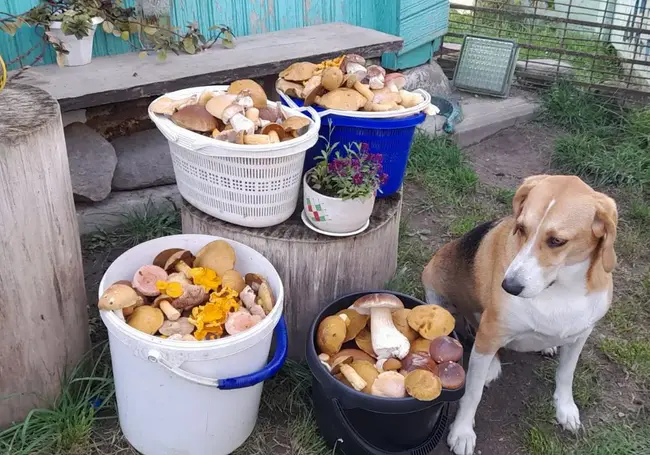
(534, 281)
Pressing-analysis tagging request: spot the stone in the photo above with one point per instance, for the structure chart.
(92, 161)
(429, 77)
(545, 67)
(143, 161)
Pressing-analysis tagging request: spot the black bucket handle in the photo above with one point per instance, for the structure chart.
(425, 448)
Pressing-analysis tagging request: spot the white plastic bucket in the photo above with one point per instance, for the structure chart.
(191, 397)
(248, 185)
(80, 51)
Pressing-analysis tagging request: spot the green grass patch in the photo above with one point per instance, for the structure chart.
(586, 381)
(136, 227)
(412, 256)
(464, 223)
(632, 354)
(66, 426)
(439, 165)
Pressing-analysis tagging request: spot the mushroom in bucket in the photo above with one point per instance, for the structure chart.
(403, 353)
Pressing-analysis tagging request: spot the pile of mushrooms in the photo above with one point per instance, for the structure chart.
(240, 115)
(191, 298)
(346, 84)
(404, 352)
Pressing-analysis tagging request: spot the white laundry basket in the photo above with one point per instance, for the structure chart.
(191, 397)
(247, 185)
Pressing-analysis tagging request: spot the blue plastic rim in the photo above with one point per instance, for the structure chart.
(392, 137)
(270, 370)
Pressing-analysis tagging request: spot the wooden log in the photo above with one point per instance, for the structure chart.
(315, 269)
(43, 313)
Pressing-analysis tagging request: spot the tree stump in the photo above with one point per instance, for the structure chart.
(43, 313)
(315, 269)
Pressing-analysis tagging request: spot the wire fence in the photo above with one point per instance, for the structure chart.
(601, 43)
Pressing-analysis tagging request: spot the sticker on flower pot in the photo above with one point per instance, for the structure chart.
(316, 211)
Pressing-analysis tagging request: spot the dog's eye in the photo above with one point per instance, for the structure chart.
(554, 242)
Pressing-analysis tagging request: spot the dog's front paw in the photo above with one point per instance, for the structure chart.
(568, 415)
(461, 439)
(550, 352)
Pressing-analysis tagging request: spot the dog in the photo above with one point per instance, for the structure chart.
(537, 280)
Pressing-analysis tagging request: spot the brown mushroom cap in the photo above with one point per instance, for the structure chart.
(275, 127)
(400, 322)
(290, 88)
(452, 375)
(344, 99)
(146, 319)
(396, 79)
(182, 256)
(332, 78)
(431, 321)
(420, 345)
(338, 361)
(191, 297)
(233, 280)
(419, 361)
(216, 105)
(298, 72)
(217, 255)
(356, 354)
(378, 300)
(446, 349)
(358, 322)
(296, 125)
(256, 92)
(423, 385)
(330, 335)
(364, 341)
(161, 259)
(182, 326)
(389, 384)
(367, 371)
(118, 296)
(265, 297)
(194, 117)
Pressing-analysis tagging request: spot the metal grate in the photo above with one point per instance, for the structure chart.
(602, 43)
(486, 66)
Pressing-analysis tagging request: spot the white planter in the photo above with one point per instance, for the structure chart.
(333, 214)
(80, 50)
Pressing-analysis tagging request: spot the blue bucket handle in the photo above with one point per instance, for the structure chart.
(239, 382)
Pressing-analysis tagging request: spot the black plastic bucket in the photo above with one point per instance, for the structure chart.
(357, 423)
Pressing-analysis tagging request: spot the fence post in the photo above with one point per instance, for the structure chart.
(43, 313)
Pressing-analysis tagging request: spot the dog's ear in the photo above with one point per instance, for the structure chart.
(604, 228)
(522, 193)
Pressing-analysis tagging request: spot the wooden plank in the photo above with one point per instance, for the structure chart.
(126, 77)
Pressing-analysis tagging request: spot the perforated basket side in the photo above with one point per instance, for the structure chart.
(252, 192)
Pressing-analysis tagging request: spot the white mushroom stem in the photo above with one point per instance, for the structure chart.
(172, 313)
(431, 109)
(387, 341)
(247, 296)
(380, 365)
(241, 123)
(353, 378)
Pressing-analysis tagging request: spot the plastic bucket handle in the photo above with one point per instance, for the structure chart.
(239, 382)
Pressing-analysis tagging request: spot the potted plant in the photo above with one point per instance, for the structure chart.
(69, 27)
(339, 192)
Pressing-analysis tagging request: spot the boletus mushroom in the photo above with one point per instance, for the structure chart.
(295, 125)
(387, 341)
(330, 335)
(146, 319)
(389, 384)
(167, 106)
(145, 278)
(298, 72)
(419, 361)
(233, 280)
(164, 302)
(265, 297)
(343, 99)
(217, 255)
(255, 91)
(161, 259)
(181, 261)
(431, 321)
(239, 321)
(357, 323)
(401, 323)
(363, 340)
(275, 132)
(195, 117)
(423, 385)
(367, 371)
(119, 296)
(290, 88)
(192, 296)
(355, 380)
(332, 78)
(388, 365)
(420, 345)
(446, 349)
(182, 326)
(452, 375)
(355, 354)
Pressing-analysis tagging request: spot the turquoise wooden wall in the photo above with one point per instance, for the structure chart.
(420, 22)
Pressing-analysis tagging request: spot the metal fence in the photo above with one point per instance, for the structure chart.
(604, 44)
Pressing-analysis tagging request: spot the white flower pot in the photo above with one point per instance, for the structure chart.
(80, 50)
(333, 214)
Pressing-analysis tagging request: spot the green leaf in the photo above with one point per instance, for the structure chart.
(150, 30)
(134, 27)
(227, 40)
(108, 27)
(142, 54)
(70, 12)
(188, 45)
(125, 35)
(9, 28)
(162, 55)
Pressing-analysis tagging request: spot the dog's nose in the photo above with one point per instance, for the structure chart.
(512, 286)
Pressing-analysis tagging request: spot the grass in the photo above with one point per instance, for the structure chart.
(66, 426)
(540, 34)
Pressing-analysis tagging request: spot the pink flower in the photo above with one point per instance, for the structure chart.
(357, 179)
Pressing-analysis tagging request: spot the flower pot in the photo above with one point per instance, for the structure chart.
(335, 215)
(80, 51)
